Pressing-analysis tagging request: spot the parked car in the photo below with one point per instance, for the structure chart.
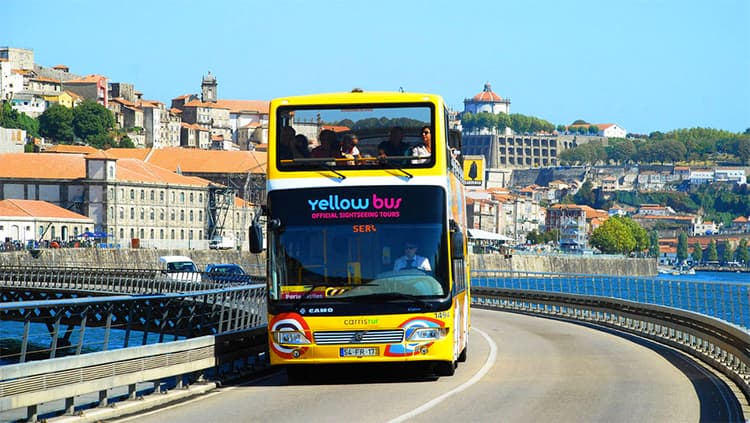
(179, 268)
(226, 272)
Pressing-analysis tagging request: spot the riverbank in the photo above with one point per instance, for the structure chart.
(148, 258)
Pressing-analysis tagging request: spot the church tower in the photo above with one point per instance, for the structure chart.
(208, 89)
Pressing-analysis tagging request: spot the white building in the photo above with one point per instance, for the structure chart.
(487, 101)
(730, 174)
(12, 140)
(701, 176)
(25, 220)
(611, 130)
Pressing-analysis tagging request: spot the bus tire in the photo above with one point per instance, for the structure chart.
(444, 368)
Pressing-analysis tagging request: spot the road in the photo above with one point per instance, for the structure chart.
(520, 369)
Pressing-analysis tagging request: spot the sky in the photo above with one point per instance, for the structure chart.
(646, 65)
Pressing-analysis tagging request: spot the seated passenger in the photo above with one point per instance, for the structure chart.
(394, 146)
(349, 149)
(424, 149)
(301, 146)
(329, 147)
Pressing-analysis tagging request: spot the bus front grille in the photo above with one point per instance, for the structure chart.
(359, 337)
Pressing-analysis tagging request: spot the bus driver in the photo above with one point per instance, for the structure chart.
(410, 260)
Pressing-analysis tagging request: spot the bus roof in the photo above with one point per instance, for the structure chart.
(356, 97)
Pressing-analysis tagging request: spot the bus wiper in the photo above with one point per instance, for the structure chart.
(387, 161)
(322, 162)
(306, 294)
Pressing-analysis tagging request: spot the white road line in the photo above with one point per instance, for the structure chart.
(479, 375)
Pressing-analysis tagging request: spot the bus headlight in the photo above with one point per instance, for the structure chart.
(290, 337)
(428, 334)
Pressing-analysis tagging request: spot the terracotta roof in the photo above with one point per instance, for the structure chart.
(741, 219)
(336, 128)
(198, 103)
(37, 209)
(89, 79)
(71, 149)
(45, 79)
(193, 160)
(130, 153)
(73, 166)
(42, 166)
(487, 95)
(237, 106)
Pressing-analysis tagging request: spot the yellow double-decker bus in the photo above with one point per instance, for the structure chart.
(365, 223)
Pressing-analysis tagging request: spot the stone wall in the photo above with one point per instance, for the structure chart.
(148, 259)
(592, 264)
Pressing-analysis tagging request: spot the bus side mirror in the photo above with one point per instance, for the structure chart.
(457, 245)
(255, 237)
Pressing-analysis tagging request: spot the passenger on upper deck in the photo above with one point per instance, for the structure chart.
(329, 147)
(424, 149)
(349, 149)
(301, 146)
(286, 143)
(394, 145)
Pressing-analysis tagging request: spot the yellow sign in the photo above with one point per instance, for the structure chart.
(474, 171)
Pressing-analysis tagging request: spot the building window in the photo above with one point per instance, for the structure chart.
(190, 234)
(161, 196)
(122, 233)
(161, 214)
(191, 215)
(182, 234)
(172, 215)
(200, 215)
(143, 214)
(200, 198)
(161, 233)
(174, 196)
(132, 233)
(182, 197)
(122, 193)
(182, 215)
(132, 213)
(143, 195)
(151, 214)
(142, 233)
(172, 233)
(191, 198)
(132, 194)
(151, 234)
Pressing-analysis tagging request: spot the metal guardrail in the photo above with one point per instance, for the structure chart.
(723, 300)
(722, 345)
(648, 307)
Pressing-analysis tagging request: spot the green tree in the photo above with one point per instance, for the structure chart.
(712, 254)
(92, 122)
(613, 237)
(727, 254)
(742, 254)
(620, 150)
(653, 247)
(697, 253)
(682, 247)
(57, 123)
(126, 142)
(13, 119)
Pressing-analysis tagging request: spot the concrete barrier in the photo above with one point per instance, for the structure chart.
(141, 258)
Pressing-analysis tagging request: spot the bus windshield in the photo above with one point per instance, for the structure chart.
(355, 137)
(353, 242)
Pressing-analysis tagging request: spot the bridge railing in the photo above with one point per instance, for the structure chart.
(724, 300)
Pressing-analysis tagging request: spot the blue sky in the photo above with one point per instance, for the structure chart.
(647, 65)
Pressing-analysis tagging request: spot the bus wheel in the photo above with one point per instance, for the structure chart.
(462, 356)
(445, 368)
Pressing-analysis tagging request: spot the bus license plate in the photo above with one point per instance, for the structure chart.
(358, 352)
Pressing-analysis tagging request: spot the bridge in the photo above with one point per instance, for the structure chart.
(110, 329)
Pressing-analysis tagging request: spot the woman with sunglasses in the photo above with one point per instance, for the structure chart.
(424, 149)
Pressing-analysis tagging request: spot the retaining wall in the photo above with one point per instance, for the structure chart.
(148, 259)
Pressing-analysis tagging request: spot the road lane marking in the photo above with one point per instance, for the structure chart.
(476, 378)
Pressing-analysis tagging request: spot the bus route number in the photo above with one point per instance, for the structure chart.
(364, 228)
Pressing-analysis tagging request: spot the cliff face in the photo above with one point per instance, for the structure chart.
(148, 259)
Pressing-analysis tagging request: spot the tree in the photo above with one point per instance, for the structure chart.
(620, 150)
(727, 254)
(91, 119)
(13, 119)
(613, 237)
(697, 253)
(653, 247)
(712, 254)
(57, 123)
(682, 247)
(126, 142)
(742, 254)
